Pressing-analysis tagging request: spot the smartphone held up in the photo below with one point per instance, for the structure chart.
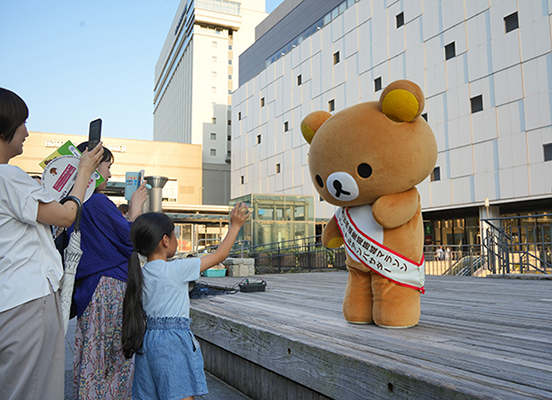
(94, 133)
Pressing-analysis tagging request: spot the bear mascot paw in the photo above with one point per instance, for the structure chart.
(367, 160)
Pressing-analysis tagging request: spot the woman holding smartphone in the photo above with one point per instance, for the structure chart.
(99, 366)
(32, 351)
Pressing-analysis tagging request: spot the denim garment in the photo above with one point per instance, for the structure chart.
(171, 364)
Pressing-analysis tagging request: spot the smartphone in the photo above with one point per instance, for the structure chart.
(94, 133)
(140, 177)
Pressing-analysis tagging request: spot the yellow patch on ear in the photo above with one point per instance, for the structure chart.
(308, 133)
(400, 105)
(335, 243)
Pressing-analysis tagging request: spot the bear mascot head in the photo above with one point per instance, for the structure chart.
(367, 160)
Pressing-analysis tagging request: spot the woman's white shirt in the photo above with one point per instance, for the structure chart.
(29, 261)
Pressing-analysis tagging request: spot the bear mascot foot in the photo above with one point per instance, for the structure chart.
(357, 304)
(395, 306)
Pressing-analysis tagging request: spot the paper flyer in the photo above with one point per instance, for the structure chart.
(60, 172)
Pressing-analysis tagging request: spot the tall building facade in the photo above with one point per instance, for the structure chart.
(194, 79)
(485, 69)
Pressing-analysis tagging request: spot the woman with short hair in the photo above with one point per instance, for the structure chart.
(32, 350)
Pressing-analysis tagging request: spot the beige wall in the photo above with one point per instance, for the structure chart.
(181, 163)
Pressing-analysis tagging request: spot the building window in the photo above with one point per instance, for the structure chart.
(229, 137)
(258, 139)
(547, 152)
(424, 116)
(229, 62)
(286, 126)
(331, 105)
(511, 22)
(214, 59)
(229, 47)
(213, 89)
(336, 58)
(476, 104)
(213, 136)
(229, 122)
(299, 80)
(214, 120)
(213, 152)
(229, 77)
(242, 179)
(436, 174)
(229, 91)
(262, 102)
(450, 51)
(215, 44)
(400, 19)
(377, 84)
(239, 116)
(277, 168)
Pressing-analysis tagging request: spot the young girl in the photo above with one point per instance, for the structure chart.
(156, 308)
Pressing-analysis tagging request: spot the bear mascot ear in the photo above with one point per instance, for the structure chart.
(402, 101)
(312, 122)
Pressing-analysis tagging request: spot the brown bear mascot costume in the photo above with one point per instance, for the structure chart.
(367, 160)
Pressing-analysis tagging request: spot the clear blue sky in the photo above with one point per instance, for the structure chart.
(76, 60)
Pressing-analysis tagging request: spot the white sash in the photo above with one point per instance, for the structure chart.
(379, 258)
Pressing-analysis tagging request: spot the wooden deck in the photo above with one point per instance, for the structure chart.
(478, 338)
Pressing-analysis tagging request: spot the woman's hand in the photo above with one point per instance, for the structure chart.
(90, 160)
(137, 201)
(239, 214)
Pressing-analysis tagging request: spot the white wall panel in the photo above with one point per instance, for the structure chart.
(506, 183)
(519, 146)
(532, 112)
(476, 30)
(537, 181)
(350, 43)
(336, 28)
(475, 7)
(316, 79)
(365, 47)
(437, 83)
(521, 181)
(506, 152)
(350, 22)
(364, 11)
(431, 19)
(490, 125)
(352, 84)
(531, 70)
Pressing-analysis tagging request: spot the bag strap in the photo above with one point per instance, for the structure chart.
(77, 201)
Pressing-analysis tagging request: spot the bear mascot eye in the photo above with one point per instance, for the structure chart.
(364, 170)
(319, 181)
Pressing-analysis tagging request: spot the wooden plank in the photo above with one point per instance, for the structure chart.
(478, 338)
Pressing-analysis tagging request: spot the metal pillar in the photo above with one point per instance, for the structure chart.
(154, 203)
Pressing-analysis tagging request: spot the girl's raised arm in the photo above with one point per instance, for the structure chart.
(238, 215)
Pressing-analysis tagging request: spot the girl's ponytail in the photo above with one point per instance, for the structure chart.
(134, 318)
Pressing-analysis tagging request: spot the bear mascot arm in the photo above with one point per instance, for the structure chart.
(393, 210)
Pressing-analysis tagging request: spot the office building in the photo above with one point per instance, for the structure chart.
(194, 78)
(485, 69)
